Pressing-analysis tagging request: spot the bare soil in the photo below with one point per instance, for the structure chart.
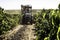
(24, 33)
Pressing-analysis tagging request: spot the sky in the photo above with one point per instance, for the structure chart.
(36, 4)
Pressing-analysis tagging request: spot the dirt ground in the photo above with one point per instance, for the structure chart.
(24, 33)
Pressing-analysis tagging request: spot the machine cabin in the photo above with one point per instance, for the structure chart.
(27, 13)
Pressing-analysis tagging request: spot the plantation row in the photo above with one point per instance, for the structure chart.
(8, 21)
(47, 23)
(47, 26)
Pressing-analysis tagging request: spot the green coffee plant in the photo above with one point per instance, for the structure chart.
(47, 25)
(8, 21)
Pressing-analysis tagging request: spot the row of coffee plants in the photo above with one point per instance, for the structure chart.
(8, 21)
(47, 24)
